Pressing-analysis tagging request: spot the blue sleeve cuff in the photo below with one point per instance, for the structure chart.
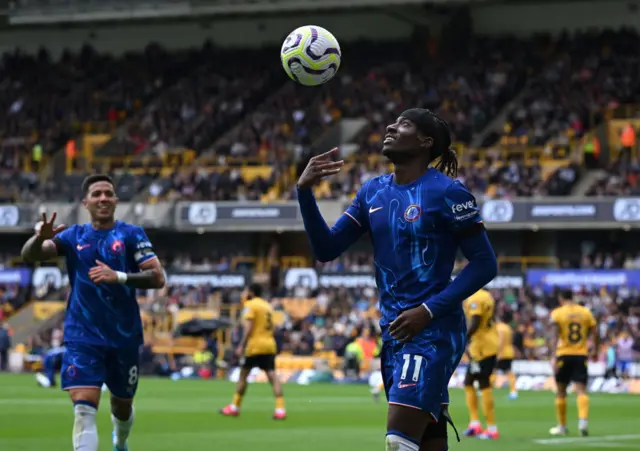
(426, 307)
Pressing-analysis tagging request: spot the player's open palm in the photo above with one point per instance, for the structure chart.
(45, 229)
(319, 167)
(101, 273)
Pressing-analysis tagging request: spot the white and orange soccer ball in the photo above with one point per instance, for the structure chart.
(310, 55)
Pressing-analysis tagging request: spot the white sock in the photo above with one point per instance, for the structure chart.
(397, 443)
(583, 424)
(85, 431)
(122, 429)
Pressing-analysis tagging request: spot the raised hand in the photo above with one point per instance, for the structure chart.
(45, 229)
(319, 167)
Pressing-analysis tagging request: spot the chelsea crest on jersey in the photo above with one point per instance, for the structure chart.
(415, 230)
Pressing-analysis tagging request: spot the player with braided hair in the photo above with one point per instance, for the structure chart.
(417, 219)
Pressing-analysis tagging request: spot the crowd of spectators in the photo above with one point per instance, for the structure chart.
(467, 89)
(245, 109)
(51, 100)
(590, 71)
(489, 179)
(204, 104)
(45, 102)
(621, 178)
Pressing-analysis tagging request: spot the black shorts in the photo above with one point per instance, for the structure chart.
(480, 371)
(266, 362)
(438, 430)
(504, 365)
(572, 368)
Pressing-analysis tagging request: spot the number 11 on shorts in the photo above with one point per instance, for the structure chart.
(417, 367)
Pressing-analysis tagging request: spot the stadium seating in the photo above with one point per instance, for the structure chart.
(242, 114)
(589, 71)
(295, 116)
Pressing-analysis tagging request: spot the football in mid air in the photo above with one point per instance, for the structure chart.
(310, 55)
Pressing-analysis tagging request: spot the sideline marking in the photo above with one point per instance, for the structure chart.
(604, 438)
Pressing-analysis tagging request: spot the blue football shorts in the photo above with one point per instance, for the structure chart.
(416, 374)
(86, 365)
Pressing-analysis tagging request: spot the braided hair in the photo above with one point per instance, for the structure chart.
(442, 150)
(430, 124)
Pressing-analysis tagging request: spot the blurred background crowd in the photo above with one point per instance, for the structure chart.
(152, 105)
(544, 115)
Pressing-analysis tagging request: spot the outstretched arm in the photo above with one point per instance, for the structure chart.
(327, 243)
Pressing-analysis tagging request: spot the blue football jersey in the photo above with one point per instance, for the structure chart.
(103, 314)
(413, 229)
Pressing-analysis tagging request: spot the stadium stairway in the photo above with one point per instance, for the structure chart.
(22, 323)
(340, 134)
(32, 326)
(496, 125)
(178, 70)
(209, 152)
(587, 180)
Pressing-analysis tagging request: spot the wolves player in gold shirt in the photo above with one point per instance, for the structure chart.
(482, 348)
(506, 352)
(258, 346)
(573, 324)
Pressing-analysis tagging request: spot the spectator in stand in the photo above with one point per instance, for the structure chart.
(5, 345)
(622, 178)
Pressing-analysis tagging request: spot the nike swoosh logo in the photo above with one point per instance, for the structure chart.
(373, 210)
(401, 385)
(83, 246)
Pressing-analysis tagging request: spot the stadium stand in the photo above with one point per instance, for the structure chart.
(222, 127)
(165, 109)
(590, 70)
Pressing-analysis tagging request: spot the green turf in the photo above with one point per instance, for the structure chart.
(183, 416)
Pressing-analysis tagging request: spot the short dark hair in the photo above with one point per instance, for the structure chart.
(566, 295)
(507, 316)
(95, 178)
(256, 289)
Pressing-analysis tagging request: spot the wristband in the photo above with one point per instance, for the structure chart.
(428, 310)
(122, 277)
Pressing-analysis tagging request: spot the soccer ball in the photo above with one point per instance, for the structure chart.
(310, 55)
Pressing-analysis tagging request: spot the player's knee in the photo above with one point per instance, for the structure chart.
(396, 442)
(581, 389)
(121, 408)
(89, 396)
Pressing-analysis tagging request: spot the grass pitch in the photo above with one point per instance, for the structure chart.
(183, 416)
